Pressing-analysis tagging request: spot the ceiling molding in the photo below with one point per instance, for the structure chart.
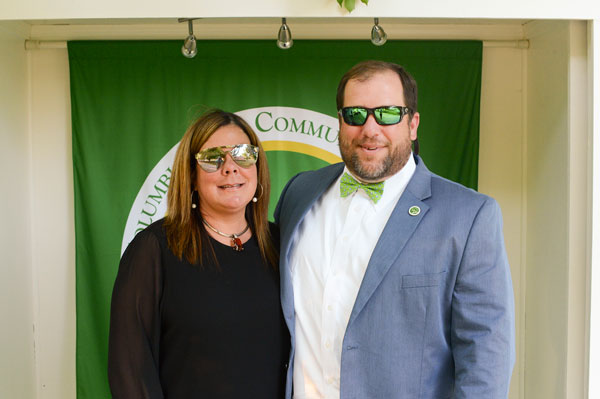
(266, 28)
(17, 29)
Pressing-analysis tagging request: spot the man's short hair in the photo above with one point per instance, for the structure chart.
(364, 70)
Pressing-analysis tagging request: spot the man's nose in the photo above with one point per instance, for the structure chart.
(371, 127)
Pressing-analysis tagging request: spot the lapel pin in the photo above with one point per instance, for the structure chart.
(414, 210)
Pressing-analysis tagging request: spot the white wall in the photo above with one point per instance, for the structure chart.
(17, 374)
(501, 169)
(594, 211)
(547, 217)
(556, 168)
(579, 173)
(53, 233)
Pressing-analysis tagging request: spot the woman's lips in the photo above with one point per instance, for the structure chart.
(231, 186)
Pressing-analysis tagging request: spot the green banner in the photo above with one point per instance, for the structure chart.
(133, 100)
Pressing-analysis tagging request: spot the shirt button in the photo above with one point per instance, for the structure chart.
(328, 344)
(329, 307)
(330, 380)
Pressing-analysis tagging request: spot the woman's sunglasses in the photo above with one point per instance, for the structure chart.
(211, 159)
(390, 115)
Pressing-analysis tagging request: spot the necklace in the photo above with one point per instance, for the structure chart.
(236, 243)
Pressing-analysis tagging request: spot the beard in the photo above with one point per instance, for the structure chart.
(369, 171)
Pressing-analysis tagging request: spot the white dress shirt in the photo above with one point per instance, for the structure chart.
(331, 251)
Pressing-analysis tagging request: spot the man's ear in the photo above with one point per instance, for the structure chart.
(413, 125)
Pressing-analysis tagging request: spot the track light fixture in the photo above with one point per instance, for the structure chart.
(189, 49)
(378, 35)
(284, 37)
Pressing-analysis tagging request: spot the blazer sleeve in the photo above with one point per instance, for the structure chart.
(482, 328)
(133, 348)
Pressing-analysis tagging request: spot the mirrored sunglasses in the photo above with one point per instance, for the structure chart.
(389, 115)
(211, 159)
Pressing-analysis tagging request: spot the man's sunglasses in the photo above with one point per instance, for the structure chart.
(211, 159)
(390, 115)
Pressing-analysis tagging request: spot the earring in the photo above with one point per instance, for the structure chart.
(192, 197)
(260, 195)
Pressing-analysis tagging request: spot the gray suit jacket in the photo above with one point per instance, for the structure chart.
(434, 315)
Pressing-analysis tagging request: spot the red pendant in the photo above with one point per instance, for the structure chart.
(236, 243)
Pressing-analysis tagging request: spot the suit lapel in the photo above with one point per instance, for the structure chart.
(397, 231)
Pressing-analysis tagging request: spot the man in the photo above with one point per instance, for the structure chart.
(404, 293)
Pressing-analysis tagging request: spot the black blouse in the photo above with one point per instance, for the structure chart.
(182, 331)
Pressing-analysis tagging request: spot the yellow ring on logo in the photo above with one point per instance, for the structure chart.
(316, 152)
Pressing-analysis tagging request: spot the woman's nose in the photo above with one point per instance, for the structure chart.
(229, 165)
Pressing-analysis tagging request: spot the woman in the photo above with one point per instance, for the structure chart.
(195, 309)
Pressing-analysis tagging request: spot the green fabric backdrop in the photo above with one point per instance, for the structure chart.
(132, 101)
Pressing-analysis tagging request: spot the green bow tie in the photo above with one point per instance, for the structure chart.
(348, 185)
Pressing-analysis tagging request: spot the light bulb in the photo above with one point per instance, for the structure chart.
(189, 49)
(378, 35)
(284, 37)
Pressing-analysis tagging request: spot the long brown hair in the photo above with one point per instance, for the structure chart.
(186, 236)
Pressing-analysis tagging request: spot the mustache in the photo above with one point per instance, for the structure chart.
(370, 143)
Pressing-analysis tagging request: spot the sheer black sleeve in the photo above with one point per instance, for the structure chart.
(133, 349)
(274, 230)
